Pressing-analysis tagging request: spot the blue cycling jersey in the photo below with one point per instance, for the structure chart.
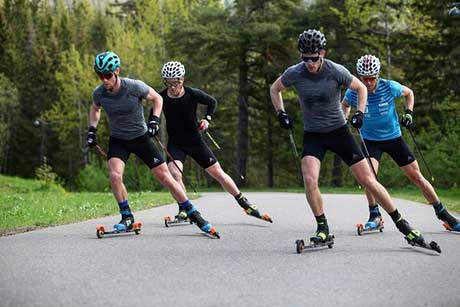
(380, 117)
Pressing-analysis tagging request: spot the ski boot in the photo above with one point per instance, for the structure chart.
(414, 237)
(375, 222)
(195, 217)
(252, 209)
(450, 222)
(180, 218)
(125, 225)
(322, 237)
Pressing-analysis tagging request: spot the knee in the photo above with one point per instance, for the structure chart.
(115, 177)
(310, 182)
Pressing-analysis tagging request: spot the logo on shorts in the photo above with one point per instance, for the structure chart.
(155, 160)
(211, 160)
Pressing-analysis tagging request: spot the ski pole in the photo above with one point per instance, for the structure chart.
(175, 164)
(420, 153)
(101, 151)
(296, 154)
(366, 153)
(218, 147)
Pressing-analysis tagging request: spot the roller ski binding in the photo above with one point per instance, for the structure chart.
(181, 218)
(196, 218)
(320, 239)
(126, 225)
(373, 224)
(415, 238)
(252, 211)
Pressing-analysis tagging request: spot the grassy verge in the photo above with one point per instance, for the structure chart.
(28, 204)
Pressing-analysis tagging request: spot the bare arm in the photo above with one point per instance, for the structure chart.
(346, 108)
(361, 90)
(94, 115)
(275, 94)
(156, 100)
(409, 95)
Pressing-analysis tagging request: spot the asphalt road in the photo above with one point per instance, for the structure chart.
(254, 263)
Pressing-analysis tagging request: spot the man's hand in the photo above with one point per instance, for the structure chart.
(357, 119)
(91, 138)
(153, 126)
(284, 120)
(407, 119)
(204, 125)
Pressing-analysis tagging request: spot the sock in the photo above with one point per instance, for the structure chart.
(125, 210)
(438, 208)
(187, 206)
(395, 216)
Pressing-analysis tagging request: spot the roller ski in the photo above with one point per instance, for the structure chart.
(321, 238)
(181, 218)
(252, 210)
(300, 244)
(376, 224)
(126, 225)
(455, 229)
(415, 238)
(196, 218)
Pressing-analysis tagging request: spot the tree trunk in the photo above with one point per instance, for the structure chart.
(243, 119)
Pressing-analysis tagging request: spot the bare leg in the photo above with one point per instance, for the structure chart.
(116, 169)
(310, 172)
(412, 172)
(223, 178)
(176, 173)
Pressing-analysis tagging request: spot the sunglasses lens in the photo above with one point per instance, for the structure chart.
(312, 59)
(105, 76)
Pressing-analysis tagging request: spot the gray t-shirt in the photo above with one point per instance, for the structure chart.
(319, 94)
(124, 108)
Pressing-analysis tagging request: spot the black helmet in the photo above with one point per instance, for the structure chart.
(311, 41)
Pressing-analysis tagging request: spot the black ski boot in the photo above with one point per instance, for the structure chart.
(321, 235)
(125, 224)
(195, 216)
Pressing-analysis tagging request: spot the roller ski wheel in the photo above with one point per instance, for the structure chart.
(447, 227)
(169, 221)
(212, 233)
(101, 230)
(431, 246)
(360, 228)
(300, 244)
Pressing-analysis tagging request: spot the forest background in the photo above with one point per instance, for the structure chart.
(233, 50)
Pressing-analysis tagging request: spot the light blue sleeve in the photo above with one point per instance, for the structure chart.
(351, 98)
(396, 88)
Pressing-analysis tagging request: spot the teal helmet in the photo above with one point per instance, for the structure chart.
(106, 62)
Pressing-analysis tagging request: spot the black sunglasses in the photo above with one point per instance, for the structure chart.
(313, 59)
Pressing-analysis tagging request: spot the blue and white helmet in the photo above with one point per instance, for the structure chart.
(106, 62)
(173, 70)
(368, 65)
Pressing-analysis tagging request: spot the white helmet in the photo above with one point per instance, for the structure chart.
(368, 65)
(173, 69)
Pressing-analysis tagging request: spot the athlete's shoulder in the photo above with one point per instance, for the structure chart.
(335, 66)
(296, 68)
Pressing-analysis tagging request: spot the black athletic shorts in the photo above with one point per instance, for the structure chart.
(340, 141)
(199, 151)
(142, 147)
(396, 148)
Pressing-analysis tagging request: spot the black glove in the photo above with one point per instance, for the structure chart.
(153, 126)
(357, 119)
(406, 119)
(91, 138)
(284, 120)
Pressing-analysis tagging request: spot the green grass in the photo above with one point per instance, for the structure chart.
(26, 204)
